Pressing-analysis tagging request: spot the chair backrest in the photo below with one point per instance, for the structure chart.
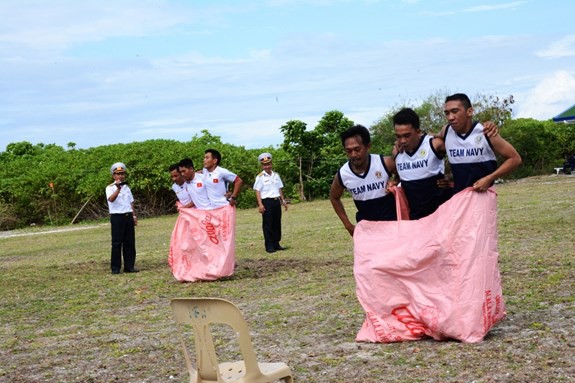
(200, 313)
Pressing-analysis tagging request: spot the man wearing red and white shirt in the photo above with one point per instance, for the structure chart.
(217, 180)
(195, 186)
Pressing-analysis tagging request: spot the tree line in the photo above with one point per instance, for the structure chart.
(49, 184)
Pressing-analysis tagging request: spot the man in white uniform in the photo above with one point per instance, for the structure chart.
(269, 194)
(123, 221)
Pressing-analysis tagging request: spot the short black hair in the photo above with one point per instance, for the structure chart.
(460, 97)
(356, 130)
(217, 155)
(406, 116)
(173, 167)
(186, 163)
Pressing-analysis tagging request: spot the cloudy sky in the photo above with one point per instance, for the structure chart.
(102, 72)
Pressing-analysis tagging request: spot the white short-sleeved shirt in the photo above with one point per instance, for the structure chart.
(123, 203)
(182, 193)
(268, 185)
(217, 185)
(198, 192)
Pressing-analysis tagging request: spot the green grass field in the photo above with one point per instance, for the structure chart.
(65, 318)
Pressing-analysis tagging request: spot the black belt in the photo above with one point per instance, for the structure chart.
(273, 198)
(123, 214)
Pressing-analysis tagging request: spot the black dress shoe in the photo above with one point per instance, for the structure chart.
(131, 271)
(279, 247)
(271, 250)
(115, 271)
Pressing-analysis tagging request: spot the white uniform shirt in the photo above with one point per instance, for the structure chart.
(182, 193)
(216, 183)
(123, 203)
(198, 192)
(268, 185)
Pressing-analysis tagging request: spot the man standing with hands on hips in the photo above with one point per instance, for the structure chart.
(217, 179)
(268, 187)
(123, 220)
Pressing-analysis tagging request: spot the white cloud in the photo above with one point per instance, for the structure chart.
(138, 66)
(479, 8)
(551, 96)
(153, 125)
(251, 134)
(57, 25)
(283, 3)
(485, 8)
(562, 48)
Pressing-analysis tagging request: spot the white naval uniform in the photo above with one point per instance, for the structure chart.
(268, 185)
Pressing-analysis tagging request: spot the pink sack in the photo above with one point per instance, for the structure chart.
(437, 276)
(401, 204)
(202, 247)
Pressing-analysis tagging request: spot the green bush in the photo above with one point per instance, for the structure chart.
(47, 184)
(8, 218)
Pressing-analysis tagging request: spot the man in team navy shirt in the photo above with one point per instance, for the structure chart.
(420, 163)
(366, 177)
(471, 154)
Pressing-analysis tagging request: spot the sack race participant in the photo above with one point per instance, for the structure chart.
(434, 277)
(202, 247)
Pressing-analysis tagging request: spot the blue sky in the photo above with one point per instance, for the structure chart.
(104, 72)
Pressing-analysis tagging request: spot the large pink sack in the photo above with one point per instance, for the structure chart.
(202, 247)
(437, 276)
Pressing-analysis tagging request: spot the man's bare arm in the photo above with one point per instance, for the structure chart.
(335, 195)
(512, 162)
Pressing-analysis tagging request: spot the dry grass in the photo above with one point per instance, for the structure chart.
(64, 318)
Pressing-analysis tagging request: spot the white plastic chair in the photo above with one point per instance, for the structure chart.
(200, 313)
